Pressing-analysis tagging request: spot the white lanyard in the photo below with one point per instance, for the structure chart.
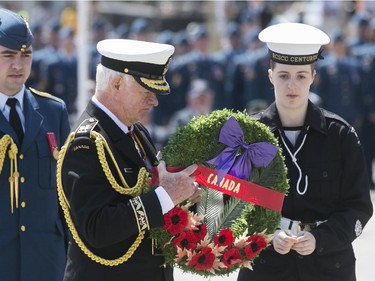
(294, 159)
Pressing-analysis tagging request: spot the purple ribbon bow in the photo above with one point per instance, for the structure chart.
(259, 154)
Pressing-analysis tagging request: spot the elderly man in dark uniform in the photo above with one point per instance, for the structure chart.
(33, 125)
(105, 166)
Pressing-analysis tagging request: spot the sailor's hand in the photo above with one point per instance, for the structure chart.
(305, 243)
(283, 241)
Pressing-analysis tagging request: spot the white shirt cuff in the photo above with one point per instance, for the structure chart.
(165, 200)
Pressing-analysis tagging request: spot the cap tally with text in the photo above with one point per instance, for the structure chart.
(15, 32)
(147, 62)
(294, 43)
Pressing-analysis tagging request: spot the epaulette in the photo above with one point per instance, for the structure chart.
(331, 115)
(45, 95)
(86, 127)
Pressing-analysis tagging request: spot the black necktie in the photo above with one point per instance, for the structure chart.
(14, 118)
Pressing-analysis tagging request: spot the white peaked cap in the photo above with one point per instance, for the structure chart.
(134, 50)
(147, 62)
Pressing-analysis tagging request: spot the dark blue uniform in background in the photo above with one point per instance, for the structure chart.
(33, 126)
(33, 238)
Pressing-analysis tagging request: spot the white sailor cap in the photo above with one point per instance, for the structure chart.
(294, 43)
(147, 62)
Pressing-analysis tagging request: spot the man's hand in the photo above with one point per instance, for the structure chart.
(180, 186)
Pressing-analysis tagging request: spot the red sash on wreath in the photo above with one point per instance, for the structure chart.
(233, 186)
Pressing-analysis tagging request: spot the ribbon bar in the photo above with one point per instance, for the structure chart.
(52, 144)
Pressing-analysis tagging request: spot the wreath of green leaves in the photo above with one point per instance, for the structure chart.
(197, 142)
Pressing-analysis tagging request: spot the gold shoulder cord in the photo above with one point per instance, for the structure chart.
(5, 142)
(142, 182)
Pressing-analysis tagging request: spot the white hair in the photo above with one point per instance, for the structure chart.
(104, 75)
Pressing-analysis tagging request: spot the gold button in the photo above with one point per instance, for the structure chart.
(23, 204)
(22, 179)
(21, 156)
(126, 70)
(23, 228)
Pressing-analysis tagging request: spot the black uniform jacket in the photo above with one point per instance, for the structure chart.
(337, 192)
(106, 221)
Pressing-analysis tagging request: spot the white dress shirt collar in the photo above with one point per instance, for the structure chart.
(121, 125)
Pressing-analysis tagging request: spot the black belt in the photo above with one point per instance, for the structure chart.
(296, 226)
(308, 226)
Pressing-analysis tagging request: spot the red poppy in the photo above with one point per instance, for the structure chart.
(200, 232)
(257, 243)
(232, 256)
(175, 220)
(203, 260)
(224, 238)
(186, 240)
